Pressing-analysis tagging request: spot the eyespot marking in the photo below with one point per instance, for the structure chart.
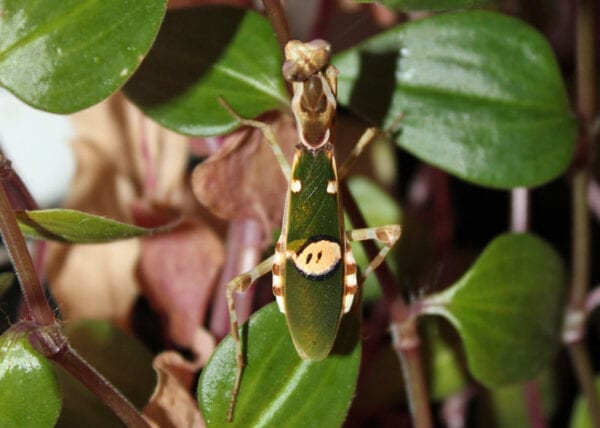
(318, 258)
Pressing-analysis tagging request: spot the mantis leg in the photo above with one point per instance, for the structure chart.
(365, 139)
(267, 132)
(239, 284)
(388, 235)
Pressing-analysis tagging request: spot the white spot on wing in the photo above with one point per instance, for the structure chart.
(332, 187)
(296, 185)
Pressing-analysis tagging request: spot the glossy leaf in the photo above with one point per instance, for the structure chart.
(205, 53)
(65, 225)
(480, 95)
(278, 388)
(29, 391)
(124, 361)
(67, 55)
(427, 4)
(506, 309)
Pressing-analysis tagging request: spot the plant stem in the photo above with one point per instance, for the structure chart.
(277, 19)
(102, 388)
(519, 223)
(45, 334)
(403, 325)
(519, 209)
(32, 290)
(580, 257)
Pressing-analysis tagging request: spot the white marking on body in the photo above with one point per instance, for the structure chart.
(276, 281)
(351, 280)
(278, 259)
(348, 299)
(332, 187)
(280, 303)
(296, 185)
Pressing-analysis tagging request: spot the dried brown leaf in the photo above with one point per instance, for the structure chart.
(244, 179)
(121, 158)
(178, 272)
(172, 405)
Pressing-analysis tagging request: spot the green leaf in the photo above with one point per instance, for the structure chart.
(480, 94)
(506, 309)
(427, 4)
(124, 361)
(205, 53)
(507, 407)
(447, 374)
(63, 56)
(278, 388)
(65, 225)
(29, 391)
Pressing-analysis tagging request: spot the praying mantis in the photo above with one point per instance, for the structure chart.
(314, 272)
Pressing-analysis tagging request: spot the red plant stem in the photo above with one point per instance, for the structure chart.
(32, 290)
(276, 16)
(580, 258)
(519, 222)
(533, 402)
(403, 325)
(17, 192)
(68, 358)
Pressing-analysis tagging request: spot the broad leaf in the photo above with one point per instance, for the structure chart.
(427, 4)
(480, 96)
(77, 227)
(124, 361)
(29, 391)
(63, 56)
(278, 388)
(205, 53)
(506, 309)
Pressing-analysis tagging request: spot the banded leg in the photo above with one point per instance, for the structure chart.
(365, 139)
(388, 235)
(239, 284)
(267, 132)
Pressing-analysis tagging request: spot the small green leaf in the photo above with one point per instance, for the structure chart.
(506, 309)
(63, 56)
(480, 95)
(427, 4)
(29, 391)
(77, 227)
(205, 53)
(278, 388)
(124, 361)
